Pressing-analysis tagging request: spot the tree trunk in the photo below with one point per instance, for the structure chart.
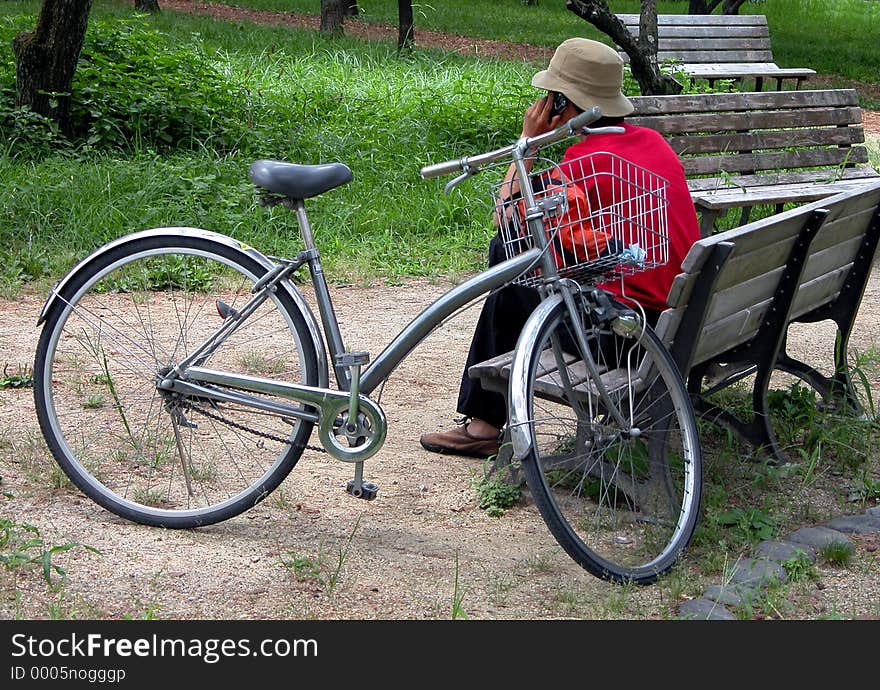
(151, 6)
(642, 51)
(405, 35)
(731, 6)
(332, 16)
(45, 59)
(708, 6)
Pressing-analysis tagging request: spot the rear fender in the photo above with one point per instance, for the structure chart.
(62, 287)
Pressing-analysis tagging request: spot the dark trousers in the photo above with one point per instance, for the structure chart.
(504, 314)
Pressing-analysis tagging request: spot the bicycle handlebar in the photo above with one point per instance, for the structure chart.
(471, 164)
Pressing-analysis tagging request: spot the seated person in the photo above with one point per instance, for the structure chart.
(585, 73)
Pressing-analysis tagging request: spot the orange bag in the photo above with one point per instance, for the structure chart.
(572, 238)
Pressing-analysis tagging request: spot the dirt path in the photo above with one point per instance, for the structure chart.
(406, 547)
(402, 552)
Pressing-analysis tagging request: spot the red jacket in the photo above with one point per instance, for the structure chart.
(648, 149)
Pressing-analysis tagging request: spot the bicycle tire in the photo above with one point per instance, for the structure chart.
(124, 318)
(621, 500)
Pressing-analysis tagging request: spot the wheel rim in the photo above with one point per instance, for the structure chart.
(116, 435)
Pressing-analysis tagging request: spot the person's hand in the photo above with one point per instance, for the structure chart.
(537, 118)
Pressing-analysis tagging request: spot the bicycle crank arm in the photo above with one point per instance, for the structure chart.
(345, 439)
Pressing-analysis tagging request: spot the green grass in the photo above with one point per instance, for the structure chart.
(309, 99)
(845, 31)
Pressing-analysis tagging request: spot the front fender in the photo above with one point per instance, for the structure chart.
(314, 331)
(519, 424)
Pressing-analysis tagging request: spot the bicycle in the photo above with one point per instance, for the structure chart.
(180, 373)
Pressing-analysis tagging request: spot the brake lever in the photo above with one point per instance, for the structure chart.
(469, 171)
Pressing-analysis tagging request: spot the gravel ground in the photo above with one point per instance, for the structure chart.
(415, 552)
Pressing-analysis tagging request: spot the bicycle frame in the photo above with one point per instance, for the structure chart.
(354, 387)
(189, 378)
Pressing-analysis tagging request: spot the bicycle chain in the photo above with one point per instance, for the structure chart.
(255, 432)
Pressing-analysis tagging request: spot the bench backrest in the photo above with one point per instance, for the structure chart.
(748, 280)
(747, 133)
(708, 38)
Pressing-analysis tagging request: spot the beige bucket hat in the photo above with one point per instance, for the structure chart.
(588, 73)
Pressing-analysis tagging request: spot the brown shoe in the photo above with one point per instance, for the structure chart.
(458, 441)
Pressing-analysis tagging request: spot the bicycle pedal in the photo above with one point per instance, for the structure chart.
(368, 490)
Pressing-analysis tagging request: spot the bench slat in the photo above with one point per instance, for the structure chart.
(736, 70)
(725, 20)
(802, 158)
(718, 120)
(778, 194)
(696, 44)
(760, 100)
(767, 139)
(858, 175)
(715, 56)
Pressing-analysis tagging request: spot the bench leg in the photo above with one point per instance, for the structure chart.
(707, 222)
(757, 432)
(837, 389)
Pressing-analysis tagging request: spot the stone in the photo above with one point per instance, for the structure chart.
(855, 524)
(758, 572)
(818, 537)
(780, 551)
(873, 512)
(730, 595)
(704, 610)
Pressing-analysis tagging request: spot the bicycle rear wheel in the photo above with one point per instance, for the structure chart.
(621, 496)
(122, 322)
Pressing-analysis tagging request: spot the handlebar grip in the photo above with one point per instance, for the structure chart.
(445, 168)
(585, 118)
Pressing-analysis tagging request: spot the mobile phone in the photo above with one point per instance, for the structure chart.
(560, 103)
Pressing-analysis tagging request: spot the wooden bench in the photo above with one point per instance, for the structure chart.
(715, 47)
(731, 307)
(740, 150)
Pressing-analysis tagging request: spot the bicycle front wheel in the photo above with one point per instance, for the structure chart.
(619, 489)
(122, 322)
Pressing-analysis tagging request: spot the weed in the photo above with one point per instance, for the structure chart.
(799, 567)
(458, 612)
(495, 495)
(865, 488)
(150, 613)
(93, 402)
(317, 569)
(838, 553)
(22, 379)
(303, 568)
(22, 547)
(752, 524)
(148, 497)
(618, 600)
(259, 363)
(541, 563)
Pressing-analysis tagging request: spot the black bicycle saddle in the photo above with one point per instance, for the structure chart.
(298, 181)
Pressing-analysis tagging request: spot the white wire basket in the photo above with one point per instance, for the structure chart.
(603, 216)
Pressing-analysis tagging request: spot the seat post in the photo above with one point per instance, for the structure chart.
(302, 218)
(322, 295)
